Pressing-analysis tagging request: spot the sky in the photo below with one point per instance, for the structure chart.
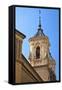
(27, 21)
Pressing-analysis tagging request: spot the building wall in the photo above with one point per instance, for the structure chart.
(43, 72)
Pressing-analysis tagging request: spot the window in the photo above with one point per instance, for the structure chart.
(38, 52)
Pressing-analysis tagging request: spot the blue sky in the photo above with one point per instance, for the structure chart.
(27, 21)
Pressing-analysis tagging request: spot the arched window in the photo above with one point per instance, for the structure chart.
(38, 52)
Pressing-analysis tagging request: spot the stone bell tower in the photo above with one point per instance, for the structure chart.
(39, 50)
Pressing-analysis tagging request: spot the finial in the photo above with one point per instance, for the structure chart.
(40, 30)
(39, 19)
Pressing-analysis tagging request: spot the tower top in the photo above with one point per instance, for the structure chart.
(39, 30)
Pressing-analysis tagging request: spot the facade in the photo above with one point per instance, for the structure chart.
(40, 57)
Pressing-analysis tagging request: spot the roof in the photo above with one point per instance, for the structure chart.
(19, 33)
(39, 32)
(38, 35)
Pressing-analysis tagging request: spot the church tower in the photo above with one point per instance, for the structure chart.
(39, 53)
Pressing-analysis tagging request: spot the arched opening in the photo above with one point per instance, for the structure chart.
(38, 52)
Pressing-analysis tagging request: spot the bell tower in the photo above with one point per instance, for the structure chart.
(39, 49)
